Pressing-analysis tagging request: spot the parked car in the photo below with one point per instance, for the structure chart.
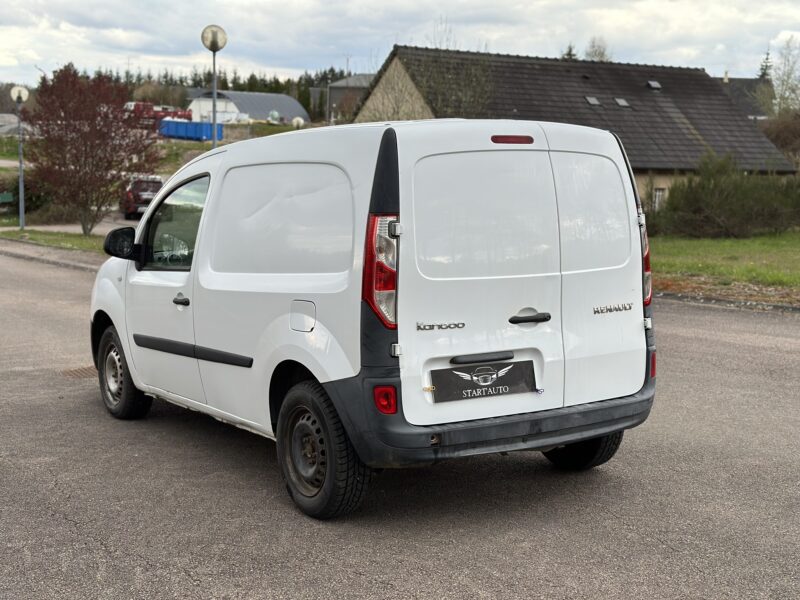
(138, 194)
(440, 289)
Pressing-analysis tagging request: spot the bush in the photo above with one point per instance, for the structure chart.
(722, 201)
(34, 198)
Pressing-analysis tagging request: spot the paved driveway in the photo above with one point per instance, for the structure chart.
(701, 502)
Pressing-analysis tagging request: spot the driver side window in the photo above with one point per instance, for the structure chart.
(172, 231)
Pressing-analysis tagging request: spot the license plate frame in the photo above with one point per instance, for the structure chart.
(483, 380)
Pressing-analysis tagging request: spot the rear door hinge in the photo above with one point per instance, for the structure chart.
(395, 229)
(648, 323)
(642, 220)
(396, 350)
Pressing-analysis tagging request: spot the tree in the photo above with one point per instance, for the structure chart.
(786, 77)
(85, 142)
(569, 53)
(597, 50)
(765, 69)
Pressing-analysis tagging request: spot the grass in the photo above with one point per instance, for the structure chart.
(69, 241)
(8, 147)
(9, 220)
(769, 260)
(177, 153)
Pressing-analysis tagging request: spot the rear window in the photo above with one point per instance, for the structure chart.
(593, 212)
(146, 186)
(485, 214)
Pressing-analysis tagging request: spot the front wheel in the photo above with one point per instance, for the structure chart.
(120, 396)
(323, 474)
(587, 454)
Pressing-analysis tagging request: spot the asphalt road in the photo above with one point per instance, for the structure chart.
(702, 501)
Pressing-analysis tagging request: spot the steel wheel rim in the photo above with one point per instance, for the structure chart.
(113, 375)
(305, 453)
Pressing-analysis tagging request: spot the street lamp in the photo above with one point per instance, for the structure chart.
(19, 95)
(214, 38)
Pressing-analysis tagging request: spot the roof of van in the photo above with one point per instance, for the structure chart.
(667, 117)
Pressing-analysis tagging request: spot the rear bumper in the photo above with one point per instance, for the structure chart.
(390, 441)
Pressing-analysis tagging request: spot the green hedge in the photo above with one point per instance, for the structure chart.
(720, 200)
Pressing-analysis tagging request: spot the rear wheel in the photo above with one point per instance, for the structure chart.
(120, 396)
(586, 454)
(324, 475)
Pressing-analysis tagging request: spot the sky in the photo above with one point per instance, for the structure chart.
(288, 37)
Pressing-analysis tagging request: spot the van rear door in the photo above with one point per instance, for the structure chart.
(601, 266)
(479, 283)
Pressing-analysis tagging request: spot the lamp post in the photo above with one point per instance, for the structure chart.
(19, 95)
(214, 38)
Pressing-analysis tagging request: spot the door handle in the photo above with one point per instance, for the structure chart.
(541, 317)
(180, 300)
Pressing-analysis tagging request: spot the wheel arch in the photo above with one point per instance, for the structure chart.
(100, 322)
(285, 375)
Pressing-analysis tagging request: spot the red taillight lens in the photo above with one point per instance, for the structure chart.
(379, 288)
(647, 275)
(385, 397)
(512, 139)
(653, 364)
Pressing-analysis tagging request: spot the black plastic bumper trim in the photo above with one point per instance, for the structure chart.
(390, 441)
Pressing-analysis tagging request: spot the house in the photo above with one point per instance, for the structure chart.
(667, 117)
(749, 94)
(245, 106)
(344, 95)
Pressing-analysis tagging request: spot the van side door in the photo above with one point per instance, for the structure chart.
(159, 293)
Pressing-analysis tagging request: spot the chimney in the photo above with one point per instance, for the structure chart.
(725, 77)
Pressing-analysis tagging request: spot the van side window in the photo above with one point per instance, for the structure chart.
(172, 231)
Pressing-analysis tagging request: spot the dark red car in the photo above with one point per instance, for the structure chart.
(138, 194)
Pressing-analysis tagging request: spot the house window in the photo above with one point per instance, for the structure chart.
(592, 100)
(659, 196)
(622, 102)
(653, 84)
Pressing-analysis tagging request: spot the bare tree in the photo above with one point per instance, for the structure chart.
(84, 142)
(597, 50)
(786, 77)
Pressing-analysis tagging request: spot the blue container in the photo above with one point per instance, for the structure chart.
(188, 130)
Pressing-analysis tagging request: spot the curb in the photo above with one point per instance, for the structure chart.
(733, 304)
(43, 259)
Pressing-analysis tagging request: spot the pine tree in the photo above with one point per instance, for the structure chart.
(765, 70)
(569, 53)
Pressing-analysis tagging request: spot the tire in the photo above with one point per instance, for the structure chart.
(323, 474)
(120, 396)
(587, 454)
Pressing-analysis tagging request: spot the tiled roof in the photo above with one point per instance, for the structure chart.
(662, 129)
(744, 91)
(359, 80)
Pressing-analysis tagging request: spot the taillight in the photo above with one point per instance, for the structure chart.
(379, 287)
(647, 275)
(653, 364)
(385, 397)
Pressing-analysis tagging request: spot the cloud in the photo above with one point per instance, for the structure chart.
(286, 38)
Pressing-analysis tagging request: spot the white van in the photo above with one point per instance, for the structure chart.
(389, 295)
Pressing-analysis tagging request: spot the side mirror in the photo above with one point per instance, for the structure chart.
(120, 243)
